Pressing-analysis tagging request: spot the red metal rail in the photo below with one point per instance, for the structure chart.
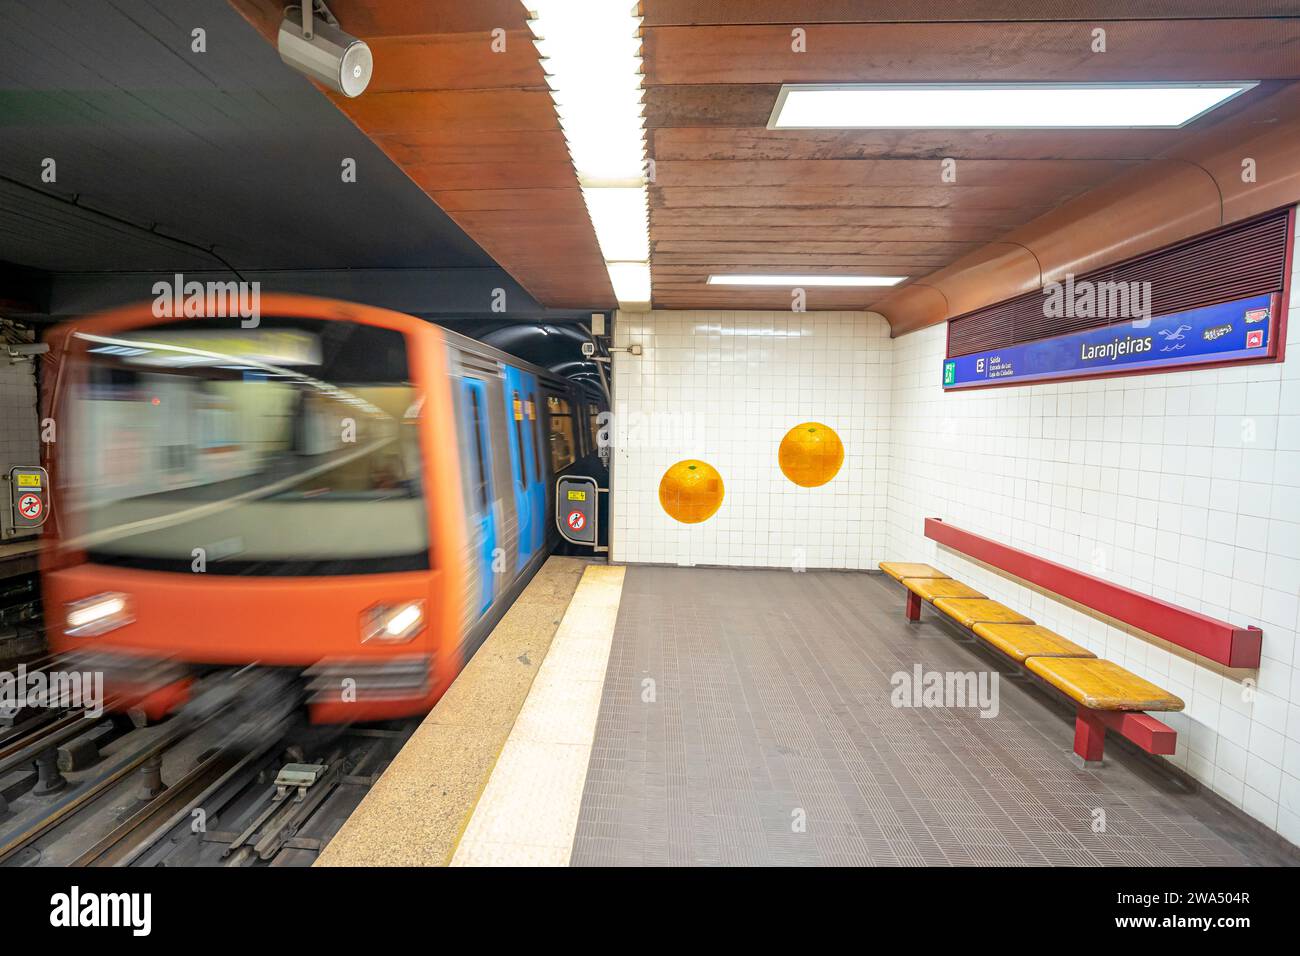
(1217, 640)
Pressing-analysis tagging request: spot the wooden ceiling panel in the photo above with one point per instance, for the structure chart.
(476, 146)
(561, 203)
(812, 216)
(476, 129)
(705, 247)
(1241, 49)
(888, 264)
(449, 111)
(694, 144)
(730, 195)
(1029, 173)
(767, 300)
(1007, 196)
(370, 19)
(438, 177)
(792, 234)
(740, 106)
(660, 13)
(474, 126)
(452, 61)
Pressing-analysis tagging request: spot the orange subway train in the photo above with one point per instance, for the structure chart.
(348, 494)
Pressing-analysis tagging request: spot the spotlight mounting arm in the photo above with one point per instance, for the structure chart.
(309, 11)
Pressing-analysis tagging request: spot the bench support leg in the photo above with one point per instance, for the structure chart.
(1089, 736)
(913, 606)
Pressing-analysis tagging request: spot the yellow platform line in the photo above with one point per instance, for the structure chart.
(528, 813)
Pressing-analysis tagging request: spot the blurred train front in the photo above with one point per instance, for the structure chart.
(229, 496)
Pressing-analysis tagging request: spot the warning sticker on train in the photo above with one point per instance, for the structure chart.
(577, 520)
(30, 507)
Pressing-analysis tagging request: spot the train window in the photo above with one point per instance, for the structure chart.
(562, 438)
(519, 437)
(593, 425)
(537, 437)
(480, 453)
(289, 449)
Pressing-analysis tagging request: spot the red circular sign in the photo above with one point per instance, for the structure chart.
(30, 506)
(577, 520)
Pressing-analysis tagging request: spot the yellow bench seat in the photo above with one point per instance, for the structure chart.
(902, 569)
(1102, 685)
(1022, 641)
(968, 612)
(1108, 697)
(933, 588)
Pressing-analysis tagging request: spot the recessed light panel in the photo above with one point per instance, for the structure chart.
(998, 105)
(791, 281)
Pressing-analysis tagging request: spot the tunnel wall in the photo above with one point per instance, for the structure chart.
(724, 388)
(1183, 485)
(19, 435)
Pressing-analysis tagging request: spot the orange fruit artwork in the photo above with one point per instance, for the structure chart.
(691, 491)
(811, 454)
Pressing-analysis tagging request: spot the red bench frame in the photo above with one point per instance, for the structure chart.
(1090, 728)
(1209, 637)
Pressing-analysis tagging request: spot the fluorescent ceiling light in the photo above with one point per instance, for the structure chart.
(591, 53)
(631, 281)
(791, 281)
(621, 222)
(998, 105)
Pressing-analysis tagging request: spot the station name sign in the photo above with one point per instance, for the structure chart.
(1231, 331)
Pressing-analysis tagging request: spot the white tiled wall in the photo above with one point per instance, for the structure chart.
(725, 387)
(1185, 486)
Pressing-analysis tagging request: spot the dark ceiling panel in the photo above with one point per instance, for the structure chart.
(227, 148)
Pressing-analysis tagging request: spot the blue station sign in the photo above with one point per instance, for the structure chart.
(1243, 329)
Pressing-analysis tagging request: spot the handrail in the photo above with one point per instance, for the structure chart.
(1207, 636)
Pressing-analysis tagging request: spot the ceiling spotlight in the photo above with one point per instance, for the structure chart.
(318, 49)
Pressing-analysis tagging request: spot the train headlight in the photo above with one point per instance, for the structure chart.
(392, 623)
(97, 615)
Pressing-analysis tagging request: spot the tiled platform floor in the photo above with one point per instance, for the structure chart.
(738, 702)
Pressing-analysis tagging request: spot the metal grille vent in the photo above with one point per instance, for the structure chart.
(1235, 262)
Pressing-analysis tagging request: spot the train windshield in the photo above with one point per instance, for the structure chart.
(289, 448)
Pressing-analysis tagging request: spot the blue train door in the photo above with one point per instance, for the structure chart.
(530, 496)
(478, 471)
(537, 487)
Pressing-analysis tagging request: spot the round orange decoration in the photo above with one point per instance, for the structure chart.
(811, 454)
(691, 491)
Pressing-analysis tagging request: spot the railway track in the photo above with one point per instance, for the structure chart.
(235, 779)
